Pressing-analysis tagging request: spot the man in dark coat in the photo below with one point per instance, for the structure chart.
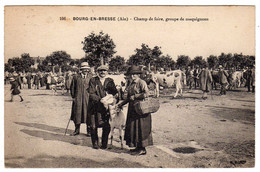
(36, 81)
(223, 75)
(99, 87)
(29, 77)
(205, 81)
(79, 93)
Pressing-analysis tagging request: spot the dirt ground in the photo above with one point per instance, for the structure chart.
(188, 132)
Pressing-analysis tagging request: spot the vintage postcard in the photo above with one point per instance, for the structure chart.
(129, 86)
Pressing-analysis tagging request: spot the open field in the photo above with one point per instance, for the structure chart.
(187, 132)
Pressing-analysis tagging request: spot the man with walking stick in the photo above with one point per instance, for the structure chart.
(80, 93)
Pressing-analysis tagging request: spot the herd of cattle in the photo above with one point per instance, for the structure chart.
(178, 79)
(155, 81)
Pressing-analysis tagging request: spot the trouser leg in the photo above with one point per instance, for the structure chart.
(21, 98)
(94, 137)
(88, 130)
(105, 134)
(12, 97)
(253, 89)
(77, 130)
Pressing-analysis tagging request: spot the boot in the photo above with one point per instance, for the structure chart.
(77, 128)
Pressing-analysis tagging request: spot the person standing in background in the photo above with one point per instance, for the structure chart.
(205, 81)
(223, 75)
(14, 89)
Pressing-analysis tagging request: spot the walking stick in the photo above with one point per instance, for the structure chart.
(67, 127)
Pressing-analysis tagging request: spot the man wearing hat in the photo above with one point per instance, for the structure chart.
(79, 92)
(205, 80)
(223, 75)
(99, 87)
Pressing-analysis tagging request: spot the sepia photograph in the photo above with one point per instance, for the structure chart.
(159, 86)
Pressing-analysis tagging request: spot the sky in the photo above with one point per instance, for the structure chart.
(38, 30)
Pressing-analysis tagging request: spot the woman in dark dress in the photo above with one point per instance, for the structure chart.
(138, 131)
(14, 89)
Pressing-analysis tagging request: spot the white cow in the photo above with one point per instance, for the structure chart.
(236, 79)
(168, 79)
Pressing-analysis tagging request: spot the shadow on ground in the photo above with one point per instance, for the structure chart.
(232, 114)
(58, 135)
(46, 161)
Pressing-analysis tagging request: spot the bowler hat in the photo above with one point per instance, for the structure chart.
(133, 70)
(102, 67)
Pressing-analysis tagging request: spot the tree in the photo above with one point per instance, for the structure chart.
(212, 61)
(198, 61)
(58, 58)
(165, 62)
(237, 60)
(145, 56)
(8, 67)
(98, 48)
(226, 60)
(183, 61)
(27, 61)
(116, 63)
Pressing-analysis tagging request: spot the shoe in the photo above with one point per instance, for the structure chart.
(95, 147)
(103, 147)
(135, 149)
(21, 100)
(142, 152)
(74, 134)
(88, 135)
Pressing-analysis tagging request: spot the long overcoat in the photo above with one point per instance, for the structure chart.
(138, 131)
(68, 81)
(205, 80)
(223, 75)
(79, 92)
(96, 92)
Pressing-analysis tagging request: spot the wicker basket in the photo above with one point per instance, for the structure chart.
(149, 105)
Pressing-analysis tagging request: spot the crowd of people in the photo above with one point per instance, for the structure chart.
(87, 90)
(205, 78)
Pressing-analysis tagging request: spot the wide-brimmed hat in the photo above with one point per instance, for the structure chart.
(102, 67)
(133, 70)
(12, 79)
(84, 65)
